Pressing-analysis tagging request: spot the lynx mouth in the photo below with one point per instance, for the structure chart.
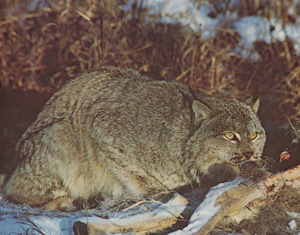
(237, 160)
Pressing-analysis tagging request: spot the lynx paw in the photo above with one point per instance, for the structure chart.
(61, 203)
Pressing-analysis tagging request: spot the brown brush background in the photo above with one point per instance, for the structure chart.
(43, 46)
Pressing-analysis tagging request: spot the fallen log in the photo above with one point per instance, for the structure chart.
(161, 218)
(232, 199)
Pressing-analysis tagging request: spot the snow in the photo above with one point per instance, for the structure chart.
(250, 28)
(18, 219)
(54, 225)
(207, 208)
(294, 215)
(185, 12)
(293, 225)
(254, 28)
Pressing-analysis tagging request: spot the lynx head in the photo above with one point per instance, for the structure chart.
(227, 133)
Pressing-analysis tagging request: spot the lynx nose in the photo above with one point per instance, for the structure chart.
(248, 155)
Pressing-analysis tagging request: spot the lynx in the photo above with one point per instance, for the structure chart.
(115, 133)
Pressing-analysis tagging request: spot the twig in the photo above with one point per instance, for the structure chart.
(134, 205)
(169, 209)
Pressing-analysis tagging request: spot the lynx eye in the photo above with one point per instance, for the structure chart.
(230, 136)
(253, 135)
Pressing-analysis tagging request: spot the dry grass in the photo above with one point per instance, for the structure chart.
(273, 219)
(43, 47)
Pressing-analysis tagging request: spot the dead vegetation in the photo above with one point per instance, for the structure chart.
(274, 218)
(46, 44)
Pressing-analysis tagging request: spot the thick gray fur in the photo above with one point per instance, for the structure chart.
(116, 133)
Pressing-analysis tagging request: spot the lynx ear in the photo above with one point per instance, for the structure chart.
(254, 105)
(201, 111)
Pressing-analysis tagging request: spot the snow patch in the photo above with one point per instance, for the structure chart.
(251, 28)
(293, 225)
(207, 208)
